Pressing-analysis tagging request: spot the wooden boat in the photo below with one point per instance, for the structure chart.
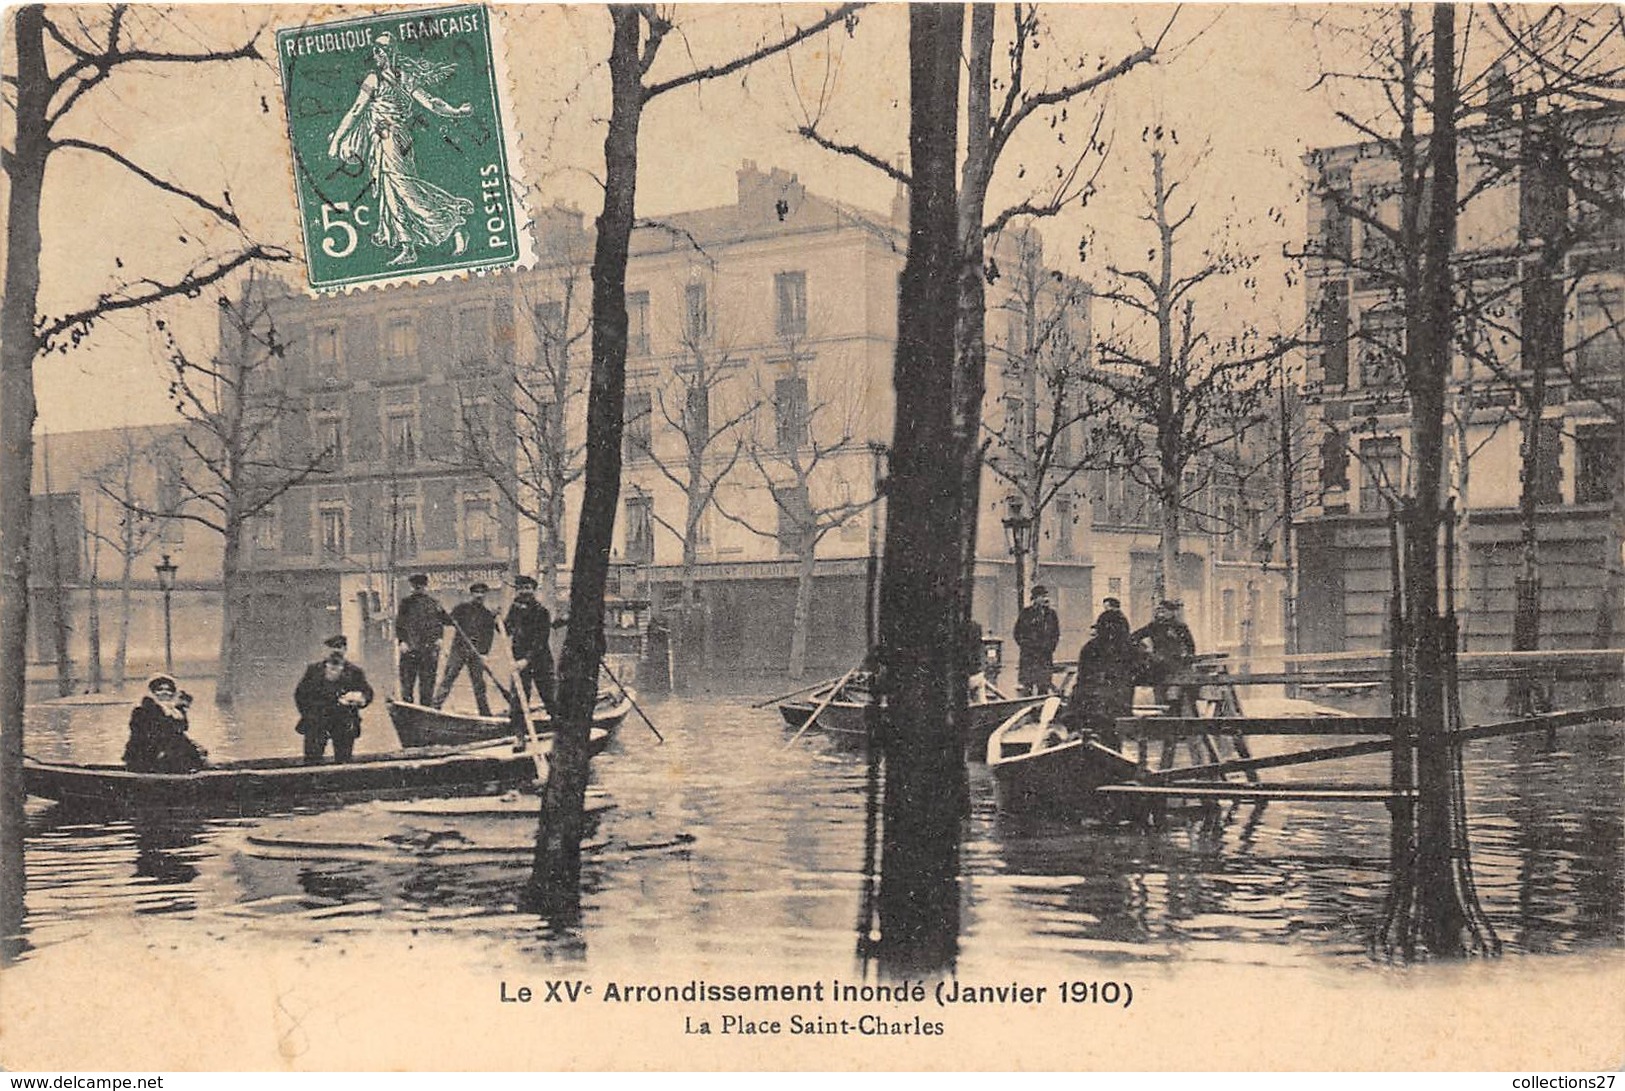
(845, 718)
(237, 786)
(1037, 768)
(421, 725)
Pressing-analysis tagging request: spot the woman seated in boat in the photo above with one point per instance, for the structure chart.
(158, 740)
(1108, 667)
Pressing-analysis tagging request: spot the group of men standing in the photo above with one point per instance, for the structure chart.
(420, 624)
(1114, 658)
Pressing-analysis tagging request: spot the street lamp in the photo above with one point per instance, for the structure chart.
(1018, 538)
(166, 583)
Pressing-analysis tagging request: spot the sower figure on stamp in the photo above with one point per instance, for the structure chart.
(330, 698)
(1038, 631)
(476, 628)
(418, 625)
(377, 132)
(529, 626)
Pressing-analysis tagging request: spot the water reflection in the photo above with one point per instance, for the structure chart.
(724, 844)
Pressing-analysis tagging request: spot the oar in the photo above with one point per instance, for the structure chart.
(535, 743)
(633, 700)
(792, 693)
(822, 705)
(479, 661)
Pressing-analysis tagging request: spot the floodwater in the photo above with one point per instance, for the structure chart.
(724, 841)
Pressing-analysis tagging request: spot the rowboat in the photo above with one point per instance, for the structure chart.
(241, 786)
(845, 718)
(422, 725)
(1038, 768)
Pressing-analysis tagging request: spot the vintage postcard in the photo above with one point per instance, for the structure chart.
(1073, 537)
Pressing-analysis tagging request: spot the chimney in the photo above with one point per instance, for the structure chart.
(771, 197)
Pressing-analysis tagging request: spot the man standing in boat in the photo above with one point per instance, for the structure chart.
(529, 626)
(330, 698)
(1038, 631)
(476, 628)
(418, 625)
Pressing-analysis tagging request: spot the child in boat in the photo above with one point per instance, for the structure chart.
(158, 740)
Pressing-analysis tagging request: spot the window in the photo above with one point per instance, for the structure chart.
(1016, 435)
(639, 425)
(325, 350)
(1596, 463)
(403, 445)
(1227, 613)
(1063, 527)
(332, 523)
(791, 292)
(1380, 480)
(640, 530)
(262, 532)
(1382, 347)
(1549, 467)
(697, 411)
(1061, 448)
(473, 336)
(477, 432)
(702, 530)
(551, 336)
(1599, 352)
(1336, 234)
(795, 517)
(330, 439)
(696, 315)
(1015, 344)
(401, 341)
(1334, 461)
(1334, 333)
(637, 323)
(790, 412)
(479, 529)
(404, 534)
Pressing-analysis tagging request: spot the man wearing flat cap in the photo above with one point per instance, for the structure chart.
(529, 626)
(1038, 631)
(330, 698)
(475, 627)
(1172, 649)
(418, 624)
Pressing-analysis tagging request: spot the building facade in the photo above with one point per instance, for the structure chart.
(1538, 348)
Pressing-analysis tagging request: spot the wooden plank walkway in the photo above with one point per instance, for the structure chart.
(1260, 793)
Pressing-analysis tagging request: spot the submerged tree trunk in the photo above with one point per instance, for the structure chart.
(231, 667)
(126, 584)
(26, 176)
(922, 585)
(93, 622)
(801, 622)
(1442, 918)
(556, 874)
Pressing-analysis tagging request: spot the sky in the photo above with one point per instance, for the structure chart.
(1233, 79)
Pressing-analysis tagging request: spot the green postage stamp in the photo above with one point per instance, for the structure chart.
(399, 153)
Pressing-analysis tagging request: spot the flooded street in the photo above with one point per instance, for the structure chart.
(725, 846)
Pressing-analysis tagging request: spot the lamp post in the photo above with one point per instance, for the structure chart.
(166, 583)
(1018, 537)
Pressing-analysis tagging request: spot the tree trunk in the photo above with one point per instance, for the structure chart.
(93, 632)
(18, 347)
(230, 668)
(556, 875)
(1442, 917)
(970, 376)
(801, 622)
(126, 582)
(1170, 464)
(1614, 569)
(922, 585)
(58, 592)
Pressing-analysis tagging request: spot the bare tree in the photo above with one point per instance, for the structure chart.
(1038, 447)
(1169, 406)
(637, 35)
(243, 446)
(709, 422)
(119, 480)
(65, 65)
(802, 464)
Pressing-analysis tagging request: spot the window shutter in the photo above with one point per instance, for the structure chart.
(361, 347)
(438, 418)
(362, 425)
(439, 530)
